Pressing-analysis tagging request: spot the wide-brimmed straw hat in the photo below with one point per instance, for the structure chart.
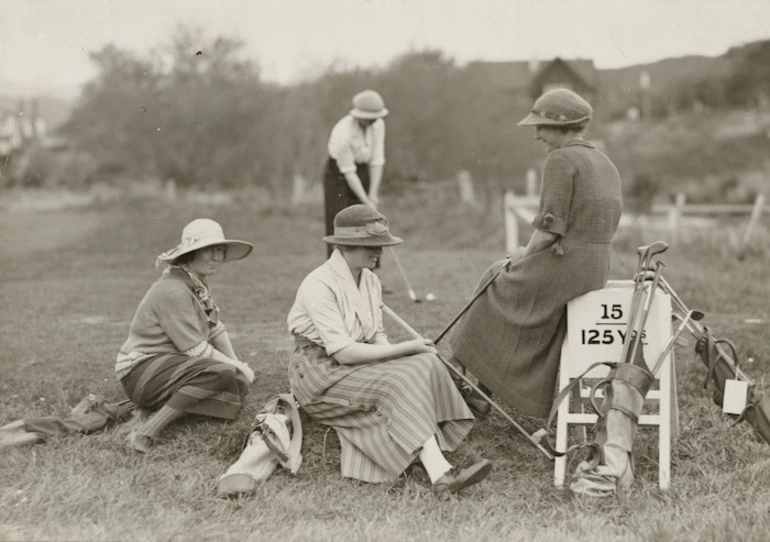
(368, 105)
(558, 107)
(361, 226)
(204, 232)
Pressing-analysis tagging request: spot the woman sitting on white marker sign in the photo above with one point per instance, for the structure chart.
(512, 335)
(389, 403)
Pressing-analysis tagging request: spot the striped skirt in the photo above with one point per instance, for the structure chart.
(383, 412)
(200, 386)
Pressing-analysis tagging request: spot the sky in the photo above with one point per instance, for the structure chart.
(44, 44)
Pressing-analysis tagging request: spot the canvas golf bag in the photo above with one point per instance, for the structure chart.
(609, 466)
(275, 438)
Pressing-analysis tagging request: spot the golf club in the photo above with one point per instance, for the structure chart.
(646, 310)
(472, 300)
(409, 289)
(533, 439)
(691, 315)
(697, 329)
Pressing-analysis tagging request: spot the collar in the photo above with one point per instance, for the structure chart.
(579, 143)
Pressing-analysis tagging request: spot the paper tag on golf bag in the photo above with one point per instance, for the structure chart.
(736, 393)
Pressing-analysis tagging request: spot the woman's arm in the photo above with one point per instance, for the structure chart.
(540, 240)
(358, 188)
(242, 367)
(362, 353)
(375, 178)
(222, 343)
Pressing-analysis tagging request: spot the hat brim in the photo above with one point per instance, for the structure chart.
(234, 250)
(369, 115)
(381, 241)
(533, 119)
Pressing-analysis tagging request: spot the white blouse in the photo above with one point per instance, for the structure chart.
(332, 311)
(350, 145)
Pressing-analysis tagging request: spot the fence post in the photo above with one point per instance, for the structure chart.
(511, 222)
(170, 189)
(298, 189)
(756, 213)
(674, 214)
(465, 186)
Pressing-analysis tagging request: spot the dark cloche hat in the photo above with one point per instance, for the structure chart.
(558, 107)
(360, 225)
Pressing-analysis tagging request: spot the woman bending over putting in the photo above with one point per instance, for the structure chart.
(389, 403)
(178, 358)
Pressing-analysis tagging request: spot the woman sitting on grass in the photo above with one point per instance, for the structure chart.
(390, 403)
(178, 358)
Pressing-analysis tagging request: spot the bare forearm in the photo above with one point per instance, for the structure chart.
(375, 178)
(358, 189)
(222, 343)
(363, 353)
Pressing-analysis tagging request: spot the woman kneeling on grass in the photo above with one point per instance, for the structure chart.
(389, 403)
(178, 358)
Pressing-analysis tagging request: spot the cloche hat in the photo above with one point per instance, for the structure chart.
(368, 105)
(558, 107)
(201, 233)
(361, 226)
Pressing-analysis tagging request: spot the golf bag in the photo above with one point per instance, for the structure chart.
(91, 414)
(274, 439)
(609, 465)
(722, 368)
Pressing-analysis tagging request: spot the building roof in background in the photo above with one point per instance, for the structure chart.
(517, 76)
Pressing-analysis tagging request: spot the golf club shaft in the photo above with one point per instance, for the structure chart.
(697, 329)
(469, 303)
(396, 259)
(409, 329)
(635, 299)
(671, 342)
(646, 309)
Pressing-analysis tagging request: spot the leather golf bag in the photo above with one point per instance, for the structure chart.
(722, 368)
(609, 466)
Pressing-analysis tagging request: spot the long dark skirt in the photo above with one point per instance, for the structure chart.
(337, 193)
(200, 386)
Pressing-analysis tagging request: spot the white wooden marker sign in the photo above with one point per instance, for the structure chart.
(597, 326)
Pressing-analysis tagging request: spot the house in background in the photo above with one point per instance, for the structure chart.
(19, 128)
(578, 75)
(525, 81)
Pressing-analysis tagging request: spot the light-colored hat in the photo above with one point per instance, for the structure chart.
(558, 107)
(361, 226)
(204, 232)
(368, 105)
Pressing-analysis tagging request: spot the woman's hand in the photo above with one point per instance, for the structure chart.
(246, 371)
(422, 346)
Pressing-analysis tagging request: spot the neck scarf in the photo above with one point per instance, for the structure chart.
(201, 291)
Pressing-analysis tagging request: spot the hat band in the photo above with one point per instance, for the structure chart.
(360, 232)
(558, 117)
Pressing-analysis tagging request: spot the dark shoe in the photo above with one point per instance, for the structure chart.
(140, 443)
(458, 478)
(478, 405)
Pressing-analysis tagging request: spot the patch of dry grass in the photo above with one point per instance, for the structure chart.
(68, 300)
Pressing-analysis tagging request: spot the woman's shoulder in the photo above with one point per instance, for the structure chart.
(169, 288)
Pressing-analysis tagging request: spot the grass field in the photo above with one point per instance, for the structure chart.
(71, 279)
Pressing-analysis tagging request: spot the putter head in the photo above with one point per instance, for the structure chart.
(657, 247)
